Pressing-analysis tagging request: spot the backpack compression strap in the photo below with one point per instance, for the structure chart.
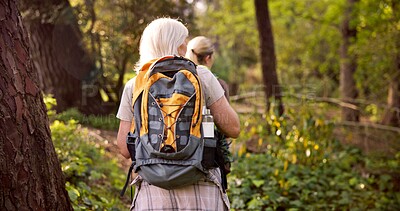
(140, 82)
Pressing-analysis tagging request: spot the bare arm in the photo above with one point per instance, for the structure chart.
(124, 127)
(225, 118)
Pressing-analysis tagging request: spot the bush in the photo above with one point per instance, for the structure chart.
(108, 122)
(304, 168)
(92, 174)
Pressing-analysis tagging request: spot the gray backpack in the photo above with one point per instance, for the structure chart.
(165, 142)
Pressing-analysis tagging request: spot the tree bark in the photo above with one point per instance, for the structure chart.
(65, 69)
(392, 112)
(391, 115)
(268, 57)
(348, 63)
(121, 72)
(30, 172)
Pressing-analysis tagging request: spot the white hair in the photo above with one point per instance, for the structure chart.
(160, 38)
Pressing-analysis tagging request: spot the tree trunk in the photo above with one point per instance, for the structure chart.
(30, 172)
(268, 58)
(348, 64)
(121, 73)
(392, 112)
(65, 69)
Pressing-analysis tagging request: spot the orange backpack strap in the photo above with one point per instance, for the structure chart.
(142, 77)
(140, 82)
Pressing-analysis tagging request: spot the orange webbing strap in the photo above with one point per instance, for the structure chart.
(132, 130)
(140, 82)
(170, 115)
(197, 114)
(143, 85)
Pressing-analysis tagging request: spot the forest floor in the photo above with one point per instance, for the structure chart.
(108, 139)
(371, 142)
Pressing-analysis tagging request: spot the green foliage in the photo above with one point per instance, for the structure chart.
(92, 174)
(307, 36)
(377, 47)
(234, 30)
(112, 29)
(307, 40)
(50, 103)
(109, 122)
(304, 168)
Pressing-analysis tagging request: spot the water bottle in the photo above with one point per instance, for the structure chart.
(208, 123)
(210, 143)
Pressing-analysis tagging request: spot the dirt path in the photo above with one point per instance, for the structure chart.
(108, 139)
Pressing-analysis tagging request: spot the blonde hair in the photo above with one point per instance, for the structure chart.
(160, 38)
(198, 48)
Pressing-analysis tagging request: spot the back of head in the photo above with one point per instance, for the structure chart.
(160, 38)
(198, 48)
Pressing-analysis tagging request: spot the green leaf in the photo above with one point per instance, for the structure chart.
(258, 183)
(331, 193)
(353, 181)
(296, 203)
(73, 193)
(87, 201)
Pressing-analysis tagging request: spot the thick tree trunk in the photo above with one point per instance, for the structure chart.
(268, 58)
(65, 68)
(30, 173)
(348, 64)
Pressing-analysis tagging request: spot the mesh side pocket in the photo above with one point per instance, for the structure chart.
(130, 141)
(210, 147)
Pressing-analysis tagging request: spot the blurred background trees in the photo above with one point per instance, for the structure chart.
(82, 49)
(65, 66)
(342, 52)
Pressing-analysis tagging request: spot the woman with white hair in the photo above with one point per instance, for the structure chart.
(164, 37)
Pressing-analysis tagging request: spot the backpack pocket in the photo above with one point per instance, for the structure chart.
(131, 142)
(210, 147)
(170, 170)
(170, 176)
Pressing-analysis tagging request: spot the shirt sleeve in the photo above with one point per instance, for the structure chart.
(211, 87)
(125, 110)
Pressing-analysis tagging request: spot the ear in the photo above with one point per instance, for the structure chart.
(182, 50)
(208, 58)
(209, 61)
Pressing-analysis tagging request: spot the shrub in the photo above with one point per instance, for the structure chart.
(92, 174)
(302, 167)
(107, 122)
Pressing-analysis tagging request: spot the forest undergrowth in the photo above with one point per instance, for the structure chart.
(292, 162)
(296, 162)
